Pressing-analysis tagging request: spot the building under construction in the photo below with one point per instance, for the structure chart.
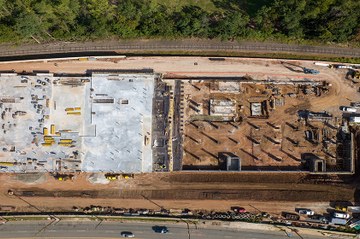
(265, 125)
(101, 121)
(135, 121)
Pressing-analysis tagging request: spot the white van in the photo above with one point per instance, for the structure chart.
(343, 215)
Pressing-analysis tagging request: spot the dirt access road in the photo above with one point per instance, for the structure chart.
(267, 192)
(271, 192)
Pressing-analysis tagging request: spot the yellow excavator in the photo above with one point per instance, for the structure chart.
(63, 177)
(111, 176)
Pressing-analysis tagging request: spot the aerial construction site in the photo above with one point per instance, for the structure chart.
(220, 129)
(134, 121)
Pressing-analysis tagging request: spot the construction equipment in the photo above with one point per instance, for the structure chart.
(357, 75)
(341, 208)
(146, 140)
(310, 71)
(162, 166)
(46, 144)
(297, 68)
(112, 177)
(66, 141)
(73, 113)
(49, 139)
(52, 129)
(127, 176)
(45, 131)
(7, 163)
(63, 177)
(65, 144)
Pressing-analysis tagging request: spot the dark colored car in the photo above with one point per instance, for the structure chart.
(127, 234)
(290, 216)
(160, 229)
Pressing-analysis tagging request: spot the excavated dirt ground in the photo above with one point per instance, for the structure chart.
(201, 152)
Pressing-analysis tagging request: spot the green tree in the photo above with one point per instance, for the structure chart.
(65, 21)
(128, 16)
(157, 22)
(28, 25)
(232, 24)
(341, 21)
(98, 16)
(192, 21)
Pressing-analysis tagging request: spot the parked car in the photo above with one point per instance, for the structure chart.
(127, 234)
(306, 211)
(348, 109)
(342, 215)
(290, 216)
(238, 209)
(320, 218)
(265, 214)
(338, 221)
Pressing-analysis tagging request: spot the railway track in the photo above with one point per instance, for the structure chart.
(133, 46)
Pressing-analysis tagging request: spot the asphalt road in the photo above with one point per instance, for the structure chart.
(133, 46)
(92, 229)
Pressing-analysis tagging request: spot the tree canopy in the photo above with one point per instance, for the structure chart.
(49, 20)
